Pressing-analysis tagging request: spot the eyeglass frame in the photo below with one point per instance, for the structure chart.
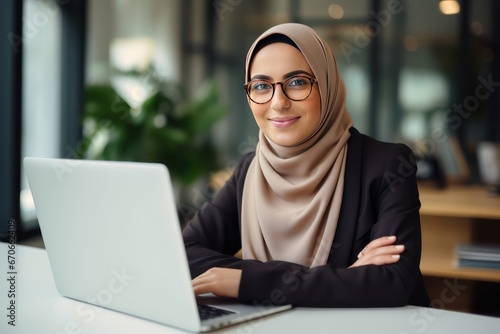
(273, 84)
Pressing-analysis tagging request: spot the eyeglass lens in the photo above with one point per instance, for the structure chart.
(295, 88)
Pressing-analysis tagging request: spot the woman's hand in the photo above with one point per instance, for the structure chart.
(379, 252)
(225, 282)
(222, 282)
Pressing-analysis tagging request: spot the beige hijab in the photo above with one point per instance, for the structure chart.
(292, 195)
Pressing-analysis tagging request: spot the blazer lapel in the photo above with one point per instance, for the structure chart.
(340, 253)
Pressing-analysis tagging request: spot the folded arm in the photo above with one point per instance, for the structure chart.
(226, 282)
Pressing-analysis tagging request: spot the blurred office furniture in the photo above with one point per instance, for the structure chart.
(488, 154)
(485, 256)
(430, 170)
(458, 215)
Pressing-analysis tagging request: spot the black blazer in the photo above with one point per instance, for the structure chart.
(380, 199)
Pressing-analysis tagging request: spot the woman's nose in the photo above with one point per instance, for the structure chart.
(279, 102)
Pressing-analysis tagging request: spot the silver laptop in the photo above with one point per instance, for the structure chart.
(113, 239)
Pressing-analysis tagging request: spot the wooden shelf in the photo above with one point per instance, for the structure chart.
(446, 268)
(453, 216)
(440, 235)
(459, 201)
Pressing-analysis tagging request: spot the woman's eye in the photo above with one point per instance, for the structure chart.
(297, 82)
(260, 86)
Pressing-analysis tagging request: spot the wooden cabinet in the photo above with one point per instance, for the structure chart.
(449, 217)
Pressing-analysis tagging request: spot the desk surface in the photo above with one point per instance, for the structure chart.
(40, 309)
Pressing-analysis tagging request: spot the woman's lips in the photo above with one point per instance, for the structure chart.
(283, 122)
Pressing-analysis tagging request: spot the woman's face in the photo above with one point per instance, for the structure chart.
(282, 120)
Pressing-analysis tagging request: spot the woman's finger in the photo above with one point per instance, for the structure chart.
(380, 255)
(377, 243)
(219, 281)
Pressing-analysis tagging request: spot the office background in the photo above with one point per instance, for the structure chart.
(423, 72)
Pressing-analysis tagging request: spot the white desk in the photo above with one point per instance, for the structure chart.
(40, 309)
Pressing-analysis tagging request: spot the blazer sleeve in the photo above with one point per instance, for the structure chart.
(390, 207)
(212, 237)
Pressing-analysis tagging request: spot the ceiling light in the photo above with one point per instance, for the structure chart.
(449, 7)
(411, 43)
(335, 12)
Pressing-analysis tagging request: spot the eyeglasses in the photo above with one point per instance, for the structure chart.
(297, 88)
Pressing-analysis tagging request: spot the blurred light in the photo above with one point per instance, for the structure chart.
(159, 121)
(128, 54)
(411, 43)
(489, 55)
(28, 210)
(413, 126)
(449, 7)
(335, 11)
(476, 28)
(415, 83)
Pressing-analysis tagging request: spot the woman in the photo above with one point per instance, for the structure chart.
(325, 216)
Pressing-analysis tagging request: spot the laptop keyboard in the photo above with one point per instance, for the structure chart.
(210, 312)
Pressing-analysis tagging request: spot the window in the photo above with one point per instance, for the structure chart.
(41, 104)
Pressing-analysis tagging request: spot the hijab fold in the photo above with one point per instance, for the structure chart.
(293, 195)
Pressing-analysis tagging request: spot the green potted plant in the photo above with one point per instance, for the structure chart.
(168, 127)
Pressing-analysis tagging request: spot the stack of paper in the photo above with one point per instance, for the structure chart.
(478, 256)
